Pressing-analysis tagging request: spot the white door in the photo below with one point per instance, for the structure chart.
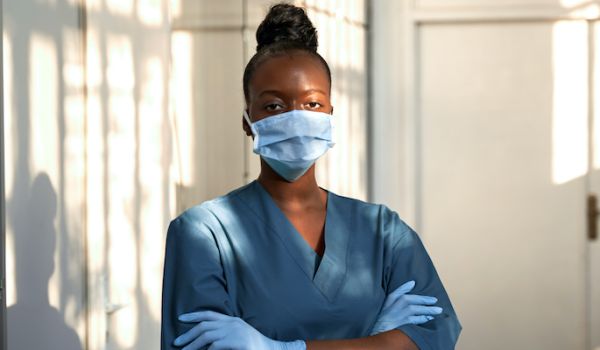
(594, 189)
(493, 163)
(504, 156)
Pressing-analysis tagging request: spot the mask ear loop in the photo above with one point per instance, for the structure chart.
(255, 142)
(333, 127)
(249, 123)
(247, 119)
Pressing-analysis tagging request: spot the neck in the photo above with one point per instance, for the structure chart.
(302, 190)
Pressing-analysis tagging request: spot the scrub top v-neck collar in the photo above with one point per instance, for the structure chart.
(331, 270)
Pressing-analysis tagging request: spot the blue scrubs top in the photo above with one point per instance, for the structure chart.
(239, 255)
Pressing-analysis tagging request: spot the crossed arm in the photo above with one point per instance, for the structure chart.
(184, 239)
(219, 331)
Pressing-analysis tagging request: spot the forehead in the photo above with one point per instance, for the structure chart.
(289, 73)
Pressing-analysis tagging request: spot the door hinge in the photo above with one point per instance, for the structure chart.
(592, 217)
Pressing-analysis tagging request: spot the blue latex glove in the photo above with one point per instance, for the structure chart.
(400, 308)
(227, 332)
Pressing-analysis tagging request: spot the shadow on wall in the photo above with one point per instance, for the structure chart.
(34, 323)
(79, 167)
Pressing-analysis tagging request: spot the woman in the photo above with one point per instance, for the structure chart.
(283, 264)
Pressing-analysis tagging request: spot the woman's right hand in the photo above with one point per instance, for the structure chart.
(400, 308)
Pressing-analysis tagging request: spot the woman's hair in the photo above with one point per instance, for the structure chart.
(285, 29)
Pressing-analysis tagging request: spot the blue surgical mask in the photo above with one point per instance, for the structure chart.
(291, 142)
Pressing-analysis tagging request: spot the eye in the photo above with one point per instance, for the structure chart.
(314, 105)
(273, 107)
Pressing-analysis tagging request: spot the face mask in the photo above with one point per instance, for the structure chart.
(291, 142)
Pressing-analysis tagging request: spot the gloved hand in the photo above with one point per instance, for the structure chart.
(400, 308)
(226, 332)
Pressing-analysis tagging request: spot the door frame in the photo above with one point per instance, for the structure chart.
(395, 144)
(3, 342)
(394, 38)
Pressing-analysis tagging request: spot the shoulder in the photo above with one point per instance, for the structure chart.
(380, 217)
(354, 204)
(374, 211)
(202, 217)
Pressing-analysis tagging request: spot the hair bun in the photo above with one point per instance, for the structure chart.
(289, 24)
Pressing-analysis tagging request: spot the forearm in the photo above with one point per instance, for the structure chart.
(392, 340)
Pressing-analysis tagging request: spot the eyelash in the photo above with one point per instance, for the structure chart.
(268, 107)
(273, 106)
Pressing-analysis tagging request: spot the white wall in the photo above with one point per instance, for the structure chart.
(88, 171)
(212, 41)
(44, 175)
(130, 187)
(98, 162)
(3, 344)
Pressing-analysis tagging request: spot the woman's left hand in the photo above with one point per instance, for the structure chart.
(227, 332)
(400, 308)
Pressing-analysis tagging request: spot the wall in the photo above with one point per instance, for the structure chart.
(98, 161)
(212, 41)
(88, 171)
(130, 180)
(44, 128)
(3, 344)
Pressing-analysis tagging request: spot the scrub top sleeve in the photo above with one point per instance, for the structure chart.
(410, 261)
(193, 278)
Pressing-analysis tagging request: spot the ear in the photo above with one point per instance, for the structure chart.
(246, 127)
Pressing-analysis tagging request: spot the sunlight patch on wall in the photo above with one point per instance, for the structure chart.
(92, 5)
(120, 70)
(43, 92)
(573, 3)
(125, 325)
(181, 55)
(175, 8)
(342, 43)
(94, 75)
(73, 172)
(11, 280)
(151, 180)
(95, 149)
(95, 189)
(591, 11)
(74, 109)
(581, 8)
(596, 97)
(43, 107)
(570, 110)
(122, 147)
(9, 114)
(150, 12)
(120, 7)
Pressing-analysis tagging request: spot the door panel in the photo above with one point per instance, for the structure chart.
(594, 181)
(501, 178)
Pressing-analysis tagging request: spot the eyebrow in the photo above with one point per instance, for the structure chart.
(277, 92)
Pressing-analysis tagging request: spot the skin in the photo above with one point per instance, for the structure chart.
(299, 81)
